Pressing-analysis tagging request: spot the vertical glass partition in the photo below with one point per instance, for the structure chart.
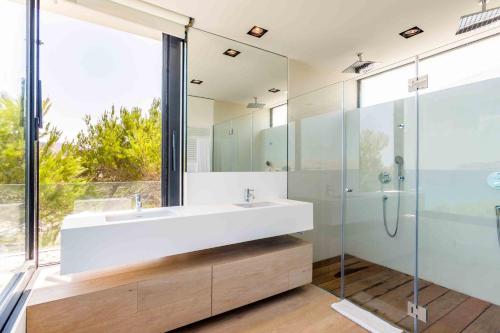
(315, 162)
(379, 207)
(459, 227)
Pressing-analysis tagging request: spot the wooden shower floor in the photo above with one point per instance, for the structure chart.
(385, 292)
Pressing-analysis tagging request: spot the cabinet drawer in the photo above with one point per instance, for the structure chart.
(245, 281)
(175, 287)
(78, 312)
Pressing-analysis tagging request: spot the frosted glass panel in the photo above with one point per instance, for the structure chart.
(315, 161)
(460, 138)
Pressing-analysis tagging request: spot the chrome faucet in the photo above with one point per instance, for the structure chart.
(249, 194)
(138, 202)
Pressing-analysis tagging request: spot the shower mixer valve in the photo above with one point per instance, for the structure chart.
(385, 177)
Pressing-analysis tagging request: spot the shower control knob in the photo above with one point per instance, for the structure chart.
(348, 190)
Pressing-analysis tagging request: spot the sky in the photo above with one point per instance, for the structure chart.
(85, 68)
(12, 42)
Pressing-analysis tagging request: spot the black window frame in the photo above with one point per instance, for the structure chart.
(172, 106)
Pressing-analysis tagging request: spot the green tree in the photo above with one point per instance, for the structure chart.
(61, 180)
(122, 146)
(57, 167)
(371, 145)
(11, 141)
(119, 147)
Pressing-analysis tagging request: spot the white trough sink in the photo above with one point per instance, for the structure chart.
(137, 215)
(93, 241)
(257, 204)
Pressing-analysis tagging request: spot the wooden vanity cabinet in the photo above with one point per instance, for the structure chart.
(169, 293)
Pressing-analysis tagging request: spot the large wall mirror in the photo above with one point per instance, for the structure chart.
(236, 108)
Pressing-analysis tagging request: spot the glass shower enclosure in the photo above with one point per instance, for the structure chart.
(403, 167)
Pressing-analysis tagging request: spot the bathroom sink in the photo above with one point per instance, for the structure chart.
(257, 204)
(135, 215)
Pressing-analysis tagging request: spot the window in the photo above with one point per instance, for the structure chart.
(102, 137)
(12, 140)
(393, 84)
(279, 115)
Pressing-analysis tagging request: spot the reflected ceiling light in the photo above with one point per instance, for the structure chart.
(478, 20)
(411, 32)
(257, 31)
(231, 53)
(273, 90)
(195, 81)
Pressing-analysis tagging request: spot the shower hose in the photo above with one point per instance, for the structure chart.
(384, 210)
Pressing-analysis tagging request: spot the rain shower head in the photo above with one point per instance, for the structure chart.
(255, 105)
(478, 20)
(360, 66)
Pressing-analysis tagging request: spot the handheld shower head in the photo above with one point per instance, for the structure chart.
(399, 160)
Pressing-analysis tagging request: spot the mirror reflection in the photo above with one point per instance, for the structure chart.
(236, 108)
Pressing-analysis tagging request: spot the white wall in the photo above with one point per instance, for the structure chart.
(224, 111)
(200, 112)
(228, 187)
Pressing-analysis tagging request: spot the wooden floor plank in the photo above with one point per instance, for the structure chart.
(461, 317)
(378, 290)
(368, 282)
(487, 322)
(334, 274)
(426, 296)
(436, 309)
(330, 270)
(386, 292)
(393, 305)
(430, 293)
(355, 274)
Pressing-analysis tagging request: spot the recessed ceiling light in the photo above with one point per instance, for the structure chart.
(231, 53)
(257, 31)
(273, 90)
(195, 81)
(411, 32)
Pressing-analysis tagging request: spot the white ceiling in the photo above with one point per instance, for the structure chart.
(325, 35)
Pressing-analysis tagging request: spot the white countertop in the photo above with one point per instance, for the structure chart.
(91, 241)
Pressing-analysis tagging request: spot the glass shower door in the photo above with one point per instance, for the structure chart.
(380, 194)
(459, 227)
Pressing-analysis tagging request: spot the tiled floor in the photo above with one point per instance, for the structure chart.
(385, 292)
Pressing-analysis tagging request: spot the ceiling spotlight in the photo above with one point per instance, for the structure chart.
(257, 31)
(411, 32)
(273, 90)
(195, 81)
(231, 53)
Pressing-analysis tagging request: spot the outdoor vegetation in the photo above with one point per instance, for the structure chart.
(114, 156)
